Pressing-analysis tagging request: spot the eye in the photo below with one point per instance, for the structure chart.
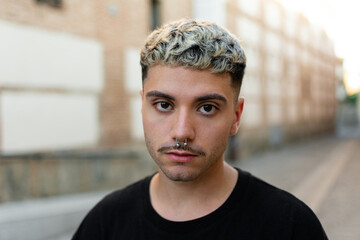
(163, 106)
(208, 109)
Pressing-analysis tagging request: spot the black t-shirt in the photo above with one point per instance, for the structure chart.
(254, 210)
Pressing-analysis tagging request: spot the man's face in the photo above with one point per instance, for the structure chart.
(181, 103)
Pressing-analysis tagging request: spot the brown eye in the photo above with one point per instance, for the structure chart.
(163, 106)
(207, 109)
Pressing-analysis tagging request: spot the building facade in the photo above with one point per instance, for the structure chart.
(70, 74)
(289, 85)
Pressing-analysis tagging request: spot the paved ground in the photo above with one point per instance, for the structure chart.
(324, 173)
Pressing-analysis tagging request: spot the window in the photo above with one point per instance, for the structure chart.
(155, 14)
(53, 3)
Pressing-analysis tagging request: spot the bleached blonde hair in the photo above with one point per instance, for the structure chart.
(195, 44)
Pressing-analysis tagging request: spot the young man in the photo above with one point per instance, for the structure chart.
(192, 73)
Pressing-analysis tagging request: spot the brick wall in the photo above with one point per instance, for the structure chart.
(74, 16)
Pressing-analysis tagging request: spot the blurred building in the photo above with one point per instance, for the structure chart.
(290, 84)
(70, 73)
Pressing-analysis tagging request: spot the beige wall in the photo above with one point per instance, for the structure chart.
(289, 80)
(175, 9)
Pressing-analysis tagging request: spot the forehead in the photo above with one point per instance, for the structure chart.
(185, 82)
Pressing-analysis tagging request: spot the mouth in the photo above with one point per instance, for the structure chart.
(181, 156)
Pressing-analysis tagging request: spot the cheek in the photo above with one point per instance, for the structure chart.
(214, 133)
(153, 125)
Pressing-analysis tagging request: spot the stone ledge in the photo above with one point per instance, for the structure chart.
(45, 175)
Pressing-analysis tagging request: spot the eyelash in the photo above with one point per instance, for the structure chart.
(214, 108)
(158, 108)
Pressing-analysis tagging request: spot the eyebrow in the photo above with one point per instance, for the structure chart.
(159, 94)
(213, 96)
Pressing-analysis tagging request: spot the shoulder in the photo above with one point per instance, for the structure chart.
(114, 212)
(264, 194)
(127, 196)
(280, 209)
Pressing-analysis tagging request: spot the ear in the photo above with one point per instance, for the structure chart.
(237, 116)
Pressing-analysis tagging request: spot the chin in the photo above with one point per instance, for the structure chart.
(180, 175)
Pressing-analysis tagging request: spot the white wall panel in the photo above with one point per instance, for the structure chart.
(211, 10)
(292, 70)
(292, 90)
(248, 31)
(273, 43)
(133, 84)
(137, 131)
(290, 22)
(253, 62)
(304, 34)
(305, 57)
(274, 112)
(273, 89)
(292, 111)
(273, 15)
(45, 121)
(274, 66)
(250, 7)
(291, 50)
(133, 81)
(252, 114)
(34, 57)
(251, 85)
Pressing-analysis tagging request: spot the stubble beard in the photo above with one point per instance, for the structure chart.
(184, 174)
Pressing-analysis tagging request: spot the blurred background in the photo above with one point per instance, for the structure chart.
(70, 121)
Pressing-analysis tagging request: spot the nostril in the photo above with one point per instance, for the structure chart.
(181, 145)
(177, 143)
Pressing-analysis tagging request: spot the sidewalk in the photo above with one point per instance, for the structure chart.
(324, 174)
(45, 218)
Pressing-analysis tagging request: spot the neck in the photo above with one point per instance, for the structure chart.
(181, 201)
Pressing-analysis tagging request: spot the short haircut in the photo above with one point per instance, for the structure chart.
(198, 45)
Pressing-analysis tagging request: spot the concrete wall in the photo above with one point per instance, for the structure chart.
(42, 196)
(39, 176)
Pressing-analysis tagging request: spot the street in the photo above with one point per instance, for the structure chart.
(324, 173)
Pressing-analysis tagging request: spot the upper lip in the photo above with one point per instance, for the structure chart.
(181, 153)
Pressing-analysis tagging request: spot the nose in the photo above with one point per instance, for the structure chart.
(183, 126)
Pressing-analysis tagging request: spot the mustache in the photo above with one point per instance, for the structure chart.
(193, 150)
